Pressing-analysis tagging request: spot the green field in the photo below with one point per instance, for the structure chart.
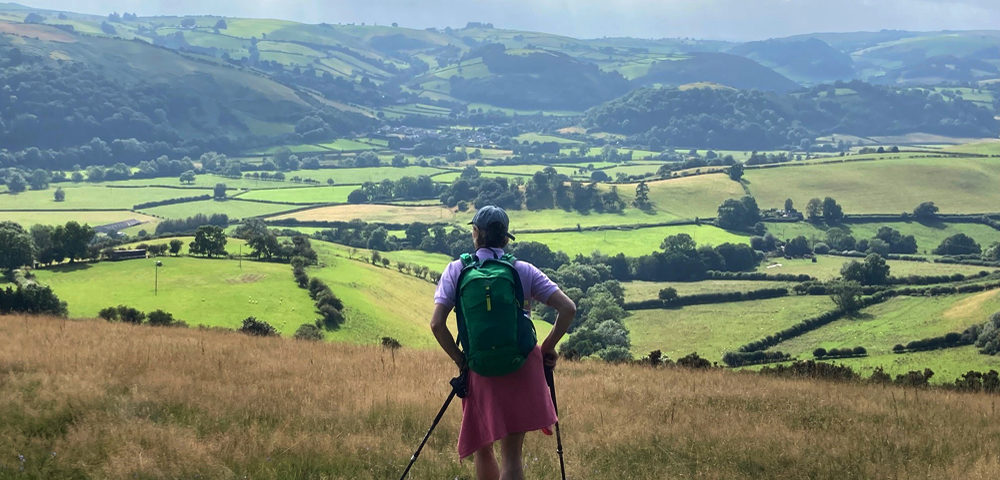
(213, 292)
(348, 145)
(640, 290)
(203, 183)
(305, 196)
(349, 176)
(955, 185)
(899, 320)
(93, 219)
(97, 197)
(434, 261)
(542, 138)
(375, 214)
(235, 209)
(828, 267)
(631, 242)
(234, 246)
(928, 236)
(712, 330)
(947, 365)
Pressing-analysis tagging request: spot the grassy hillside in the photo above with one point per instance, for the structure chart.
(899, 320)
(199, 291)
(712, 330)
(217, 405)
(631, 242)
(928, 235)
(955, 185)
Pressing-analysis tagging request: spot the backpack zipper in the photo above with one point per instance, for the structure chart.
(489, 305)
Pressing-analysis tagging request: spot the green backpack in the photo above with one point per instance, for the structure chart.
(493, 328)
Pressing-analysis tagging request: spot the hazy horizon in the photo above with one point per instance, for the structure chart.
(735, 20)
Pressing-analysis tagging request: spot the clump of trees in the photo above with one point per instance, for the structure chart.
(846, 352)
(208, 240)
(33, 299)
(958, 244)
(873, 271)
(257, 328)
(126, 314)
(738, 214)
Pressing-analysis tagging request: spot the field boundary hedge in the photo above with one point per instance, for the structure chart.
(708, 298)
(171, 201)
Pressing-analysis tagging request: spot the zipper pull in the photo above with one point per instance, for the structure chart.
(489, 304)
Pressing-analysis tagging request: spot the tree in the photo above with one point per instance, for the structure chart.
(59, 194)
(681, 243)
(258, 328)
(642, 196)
(220, 191)
(736, 172)
(16, 183)
(832, 212)
(992, 254)
(958, 244)
(814, 209)
(175, 246)
(846, 294)
(789, 206)
(208, 240)
(187, 177)
(926, 210)
(16, 246)
(73, 239)
(188, 22)
(39, 179)
(668, 293)
(874, 271)
(221, 24)
(738, 214)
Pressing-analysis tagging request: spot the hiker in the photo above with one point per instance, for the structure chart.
(507, 406)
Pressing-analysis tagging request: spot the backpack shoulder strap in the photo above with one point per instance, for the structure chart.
(468, 260)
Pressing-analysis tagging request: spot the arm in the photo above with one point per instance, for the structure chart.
(439, 327)
(565, 311)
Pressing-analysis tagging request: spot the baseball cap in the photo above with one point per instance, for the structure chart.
(492, 216)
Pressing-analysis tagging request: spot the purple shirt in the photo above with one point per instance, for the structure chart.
(535, 284)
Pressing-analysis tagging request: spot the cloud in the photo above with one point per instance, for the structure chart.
(715, 19)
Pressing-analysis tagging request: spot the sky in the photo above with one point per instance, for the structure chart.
(740, 20)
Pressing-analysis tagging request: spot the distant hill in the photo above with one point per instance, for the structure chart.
(805, 60)
(84, 86)
(724, 118)
(721, 68)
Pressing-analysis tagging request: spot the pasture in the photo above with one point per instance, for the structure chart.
(631, 242)
(304, 196)
(92, 197)
(234, 246)
(714, 329)
(639, 290)
(827, 267)
(234, 208)
(92, 218)
(373, 214)
(955, 185)
(210, 292)
(899, 320)
(947, 364)
(928, 235)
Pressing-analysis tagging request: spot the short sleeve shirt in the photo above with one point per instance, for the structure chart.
(536, 285)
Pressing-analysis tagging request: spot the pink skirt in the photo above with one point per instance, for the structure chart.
(498, 406)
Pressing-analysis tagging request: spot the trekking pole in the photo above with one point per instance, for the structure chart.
(457, 388)
(559, 448)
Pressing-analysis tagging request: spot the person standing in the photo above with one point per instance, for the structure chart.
(505, 407)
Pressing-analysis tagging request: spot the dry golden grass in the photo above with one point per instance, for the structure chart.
(117, 401)
(372, 214)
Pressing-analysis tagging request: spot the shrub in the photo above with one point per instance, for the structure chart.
(668, 293)
(160, 318)
(109, 313)
(692, 360)
(326, 297)
(819, 352)
(130, 315)
(308, 331)
(257, 328)
(615, 354)
(391, 343)
(330, 317)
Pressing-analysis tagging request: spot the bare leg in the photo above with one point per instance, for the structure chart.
(510, 447)
(486, 464)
